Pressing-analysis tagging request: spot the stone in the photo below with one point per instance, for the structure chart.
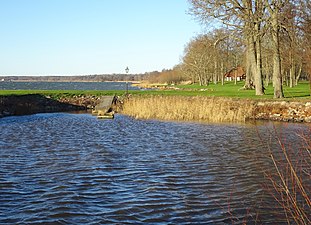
(276, 115)
(308, 119)
(7, 113)
(261, 104)
(283, 103)
(294, 104)
(291, 111)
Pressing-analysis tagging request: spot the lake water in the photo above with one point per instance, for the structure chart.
(75, 169)
(65, 86)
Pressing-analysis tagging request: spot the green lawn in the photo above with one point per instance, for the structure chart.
(302, 91)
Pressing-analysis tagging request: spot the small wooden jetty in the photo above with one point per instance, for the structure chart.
(104, 109)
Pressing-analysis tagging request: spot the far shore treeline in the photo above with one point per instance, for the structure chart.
(77, 78)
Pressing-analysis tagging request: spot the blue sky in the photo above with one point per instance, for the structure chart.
(75, 37)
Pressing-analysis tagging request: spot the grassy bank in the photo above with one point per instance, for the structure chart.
(299, 92)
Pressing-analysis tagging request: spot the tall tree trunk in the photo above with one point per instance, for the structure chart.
(235, 77)
(248, 75)
(205, 79)
(277, 75)
(267, 75)
(292, 71)
(236, 69)
(255, 69)
(298, 74)
(292, 76)
(222, 73)
(259, 62)
(215, 72)
(200, 79)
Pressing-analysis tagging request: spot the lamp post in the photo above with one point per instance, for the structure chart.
(127, 85)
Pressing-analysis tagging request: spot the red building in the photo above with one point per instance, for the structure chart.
(237, 73)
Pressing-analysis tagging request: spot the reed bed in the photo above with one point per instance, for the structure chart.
(183, 108)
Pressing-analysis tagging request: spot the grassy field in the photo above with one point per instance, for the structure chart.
(302, 91)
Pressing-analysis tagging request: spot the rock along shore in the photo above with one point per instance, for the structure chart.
(283, 111)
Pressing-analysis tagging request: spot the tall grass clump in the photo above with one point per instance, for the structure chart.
(185, 108)
(290, 179)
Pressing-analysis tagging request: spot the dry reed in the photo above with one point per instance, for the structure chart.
(290, 180)
(182, 108)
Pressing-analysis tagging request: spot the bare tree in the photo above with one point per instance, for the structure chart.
(306, 8)
(291, 42)
(274, 8)
(197, 59)
(244, 15)
(207, 57)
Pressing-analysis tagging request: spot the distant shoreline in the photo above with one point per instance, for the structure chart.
(76, 78)
(78, 81)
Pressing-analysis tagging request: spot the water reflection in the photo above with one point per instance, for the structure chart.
(72, 168)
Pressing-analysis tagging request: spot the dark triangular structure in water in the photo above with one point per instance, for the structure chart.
(104, 109)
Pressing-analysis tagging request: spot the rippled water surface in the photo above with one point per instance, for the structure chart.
(74, 169)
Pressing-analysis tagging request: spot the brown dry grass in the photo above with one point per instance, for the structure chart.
(182, 108)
